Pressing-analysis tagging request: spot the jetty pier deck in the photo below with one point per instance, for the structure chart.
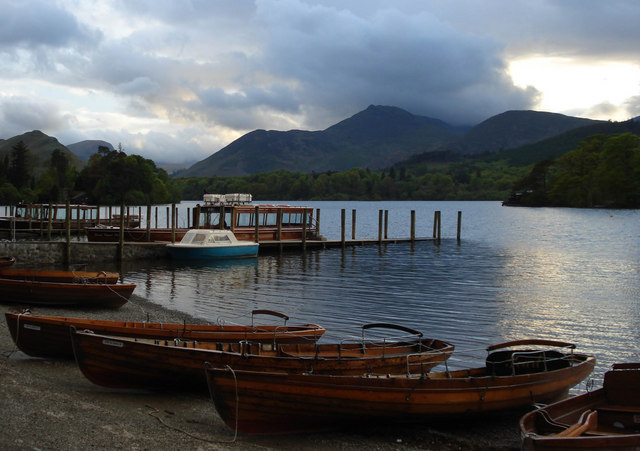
(60, 252)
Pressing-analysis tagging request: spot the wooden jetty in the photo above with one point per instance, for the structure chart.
(68, 251)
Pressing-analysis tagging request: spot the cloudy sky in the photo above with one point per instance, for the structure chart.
(177, 80)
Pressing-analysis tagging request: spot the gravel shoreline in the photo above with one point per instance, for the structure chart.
(48, 404)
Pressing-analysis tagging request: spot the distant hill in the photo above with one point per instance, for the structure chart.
(41, 147)
(84, 149)
(375, 138)
(559, 145)
(516, 128)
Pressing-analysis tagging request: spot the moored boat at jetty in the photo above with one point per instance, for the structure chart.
(63, 288)
(607, 418)
(210, 244)
(275, 402)
(111, 234)
(121, 362)
(34, 218)
(235, 212)
(49, 336)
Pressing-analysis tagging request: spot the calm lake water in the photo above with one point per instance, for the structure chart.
(564, 274)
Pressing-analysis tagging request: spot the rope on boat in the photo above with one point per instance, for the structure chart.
(235, 382)
(15, 343)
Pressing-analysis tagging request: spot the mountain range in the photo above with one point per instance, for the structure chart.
(377, 137)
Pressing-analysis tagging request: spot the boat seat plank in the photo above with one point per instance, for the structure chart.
(620, 409)
(627, 418)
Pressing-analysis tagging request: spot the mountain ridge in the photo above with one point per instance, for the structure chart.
(375, 138)
(84, 149)
(41, 146)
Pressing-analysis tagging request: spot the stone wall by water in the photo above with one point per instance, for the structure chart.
(54, 252)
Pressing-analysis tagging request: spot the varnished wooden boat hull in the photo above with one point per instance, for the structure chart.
(64, 289)
(271, 403)
(49, 336)
(618, 401)
(6, 261)
(45, 275)
(120, 362)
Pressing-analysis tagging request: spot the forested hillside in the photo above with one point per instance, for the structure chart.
(604, 170)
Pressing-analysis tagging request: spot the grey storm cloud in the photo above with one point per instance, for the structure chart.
(18, 114)
(40, 23)
(418, 62)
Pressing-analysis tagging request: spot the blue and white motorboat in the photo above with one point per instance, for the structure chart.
(202, 244)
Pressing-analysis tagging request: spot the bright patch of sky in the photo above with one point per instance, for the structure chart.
(568, 87)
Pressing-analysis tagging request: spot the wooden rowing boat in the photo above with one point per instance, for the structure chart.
(44, 275)
(122, 362)
(48, 336)
(604, 419)
(7, 261)
(63, 288)
(274, 402)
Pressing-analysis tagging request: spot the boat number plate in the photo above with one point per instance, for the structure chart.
(31, 326)
(107, 342)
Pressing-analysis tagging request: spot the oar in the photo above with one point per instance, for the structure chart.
(588, 420)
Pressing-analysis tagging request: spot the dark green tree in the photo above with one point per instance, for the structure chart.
(20, 166)
(618, 171)
(55, 184)
(113, 177)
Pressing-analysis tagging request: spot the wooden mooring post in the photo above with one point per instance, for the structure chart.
(148, 222)
(437, 226)
(353, 224)
(67, 255)
(174, 213)
(386, 224)
(121, 237)
(380, 226)
(413, 226)
(304, 229)
(50, 224)
(459, 228)
(255, 223)
(279, 224)
(342, 226)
